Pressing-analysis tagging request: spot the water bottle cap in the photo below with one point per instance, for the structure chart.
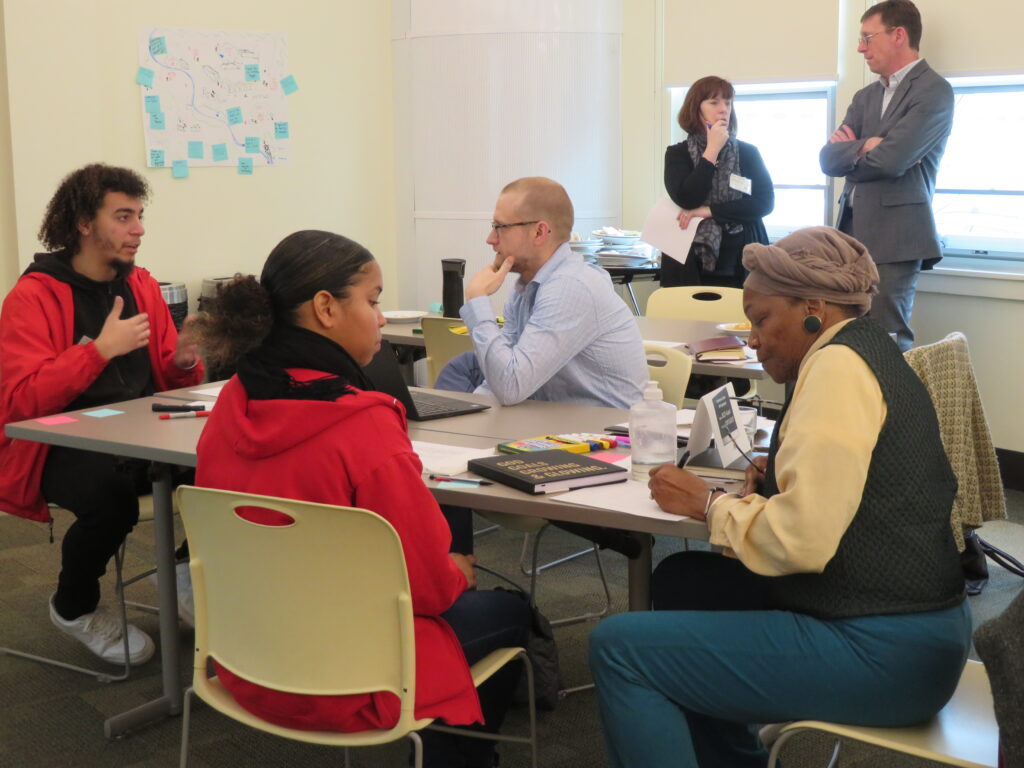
(652, 391)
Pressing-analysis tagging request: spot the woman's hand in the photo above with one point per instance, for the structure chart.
(718, 135)
(465, 564)
(685, 216)
(753, 476)
(679, 491)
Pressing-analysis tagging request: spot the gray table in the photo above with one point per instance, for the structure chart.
(651, 328)
(139, 433)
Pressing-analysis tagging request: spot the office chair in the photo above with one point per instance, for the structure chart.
(442, 344)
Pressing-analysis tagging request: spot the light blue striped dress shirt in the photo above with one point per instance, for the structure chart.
(568, 337)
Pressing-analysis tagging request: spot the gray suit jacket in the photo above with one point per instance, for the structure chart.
(895, 182)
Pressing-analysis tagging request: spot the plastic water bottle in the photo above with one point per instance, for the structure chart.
(652, 432)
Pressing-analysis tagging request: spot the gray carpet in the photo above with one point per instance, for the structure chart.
(50, 717)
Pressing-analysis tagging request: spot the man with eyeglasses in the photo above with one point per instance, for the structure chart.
(888, 148)
(567, 336)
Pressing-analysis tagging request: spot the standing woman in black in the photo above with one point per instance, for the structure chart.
(715, 176)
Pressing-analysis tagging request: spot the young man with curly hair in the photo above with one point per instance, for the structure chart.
(84, 327)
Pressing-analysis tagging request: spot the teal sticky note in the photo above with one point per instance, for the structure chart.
(288, 85)
(157, 121)
(280, 130)
(220, 152)
(252, 73)
(152, 103)
(102, 413)
(157, 45)
(144, 76)
(234, 116)
(179, 169)
(245, 166)
(195, 150)
(156, 158)
(252, 144)
(457, 485)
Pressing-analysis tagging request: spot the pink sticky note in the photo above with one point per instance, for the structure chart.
(56, 420)
(611, 458)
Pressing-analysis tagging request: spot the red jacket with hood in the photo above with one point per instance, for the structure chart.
(352, 452)
(42, 370)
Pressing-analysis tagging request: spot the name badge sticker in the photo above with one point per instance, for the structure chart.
(739, 183)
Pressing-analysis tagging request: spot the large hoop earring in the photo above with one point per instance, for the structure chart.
(812, 323)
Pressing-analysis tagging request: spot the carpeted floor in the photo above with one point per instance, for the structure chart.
(50, 717)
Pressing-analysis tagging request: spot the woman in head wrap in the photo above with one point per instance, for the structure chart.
(838, 595)
(714, 176)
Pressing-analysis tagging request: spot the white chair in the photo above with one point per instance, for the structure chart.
(337, 573)
(671, 369)
(697, 302)
(963, 733)
(442, 343)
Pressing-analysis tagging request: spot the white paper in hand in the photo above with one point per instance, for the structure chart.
(661, 229)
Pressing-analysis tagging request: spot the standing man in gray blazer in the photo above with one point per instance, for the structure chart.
(888, 148)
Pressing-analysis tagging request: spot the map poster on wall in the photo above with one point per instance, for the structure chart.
(214, 97)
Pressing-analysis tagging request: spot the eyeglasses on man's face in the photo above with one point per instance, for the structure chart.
(496, 227)
(865, 39)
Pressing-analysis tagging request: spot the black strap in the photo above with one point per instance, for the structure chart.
(1008, 561)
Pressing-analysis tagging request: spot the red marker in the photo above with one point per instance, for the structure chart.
(186, 415)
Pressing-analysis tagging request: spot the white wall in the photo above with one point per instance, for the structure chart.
(990, 311)
(69, 74)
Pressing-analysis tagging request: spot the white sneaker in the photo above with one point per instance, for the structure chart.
(100, 632)
(186, 603)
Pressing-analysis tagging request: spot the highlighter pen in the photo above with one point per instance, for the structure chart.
(449, 479)
(185, 415)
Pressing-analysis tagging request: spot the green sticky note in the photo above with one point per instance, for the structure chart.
(245, 166)
(234, 116)
(179, 169)
(157, 45)
(144, 76)
(156, 158)
(195, 150)
(457, 485)
(252, 144)
(280, 130)
(252, 73)
(152, 103)
(220, 152)
(288, 85)
(102, 413)
(157, 121)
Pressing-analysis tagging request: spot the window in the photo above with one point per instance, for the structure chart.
(788, 123)
(979, 195)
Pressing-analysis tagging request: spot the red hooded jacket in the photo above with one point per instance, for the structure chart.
(352, 452)
(42, 370)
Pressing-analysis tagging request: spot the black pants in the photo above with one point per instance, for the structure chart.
(102, 492)
(483, 621)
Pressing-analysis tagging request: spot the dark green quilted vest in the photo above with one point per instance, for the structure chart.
(898, 555)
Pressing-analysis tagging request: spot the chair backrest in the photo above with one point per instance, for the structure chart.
(945, 369)
(442, 344)
(319, 605)
(671, 369)
(698, 302)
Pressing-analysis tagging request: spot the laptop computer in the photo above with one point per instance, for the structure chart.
(386, 376)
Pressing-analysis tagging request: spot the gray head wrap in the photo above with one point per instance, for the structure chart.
(813, 263)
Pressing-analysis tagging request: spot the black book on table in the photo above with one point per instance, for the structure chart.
(546, 471)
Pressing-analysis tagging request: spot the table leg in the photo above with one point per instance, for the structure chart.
(167, 590)
(640, 575)
(632, 298)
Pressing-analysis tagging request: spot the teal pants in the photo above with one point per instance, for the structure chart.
(688, 688)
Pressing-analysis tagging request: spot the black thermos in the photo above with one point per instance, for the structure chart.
(452, 271)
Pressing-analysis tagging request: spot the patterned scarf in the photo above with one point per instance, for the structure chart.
(708, 238)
